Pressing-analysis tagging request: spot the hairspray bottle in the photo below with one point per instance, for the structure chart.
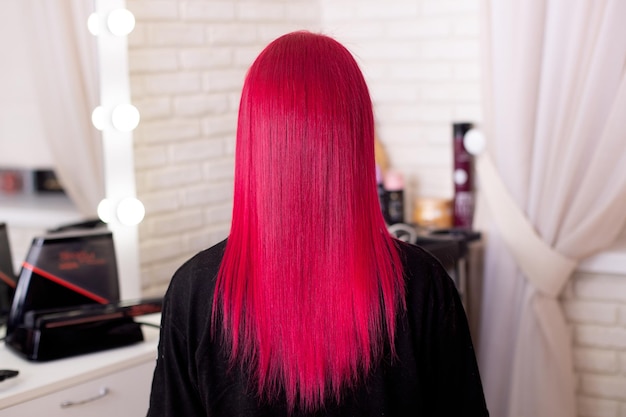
(463, 207)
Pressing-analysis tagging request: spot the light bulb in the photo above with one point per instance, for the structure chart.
(98, 117)
(474, 141)
(93, 24)
(125, 117)
(121, 22)
(105, 210)
(130, 211)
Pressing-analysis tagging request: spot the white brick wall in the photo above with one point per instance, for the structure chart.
(188, 60)
(595, 306)
(421, 60)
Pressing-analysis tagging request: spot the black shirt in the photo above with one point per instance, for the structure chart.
(435, 372)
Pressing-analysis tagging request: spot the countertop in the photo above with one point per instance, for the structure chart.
(36, 379)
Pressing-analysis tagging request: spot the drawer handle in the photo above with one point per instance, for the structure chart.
(104, 391)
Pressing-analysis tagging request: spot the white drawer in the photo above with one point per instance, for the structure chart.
(127, 395)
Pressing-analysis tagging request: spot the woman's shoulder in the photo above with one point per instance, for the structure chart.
(424, 273)
(417, 260)
(195, 279)
(204, 261)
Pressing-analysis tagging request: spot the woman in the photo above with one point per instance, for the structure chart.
(310, 307)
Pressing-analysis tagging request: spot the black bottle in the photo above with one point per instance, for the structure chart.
(394, 198)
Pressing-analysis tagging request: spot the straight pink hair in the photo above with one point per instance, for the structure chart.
(311, 281)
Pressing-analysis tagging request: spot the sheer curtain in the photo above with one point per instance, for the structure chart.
(552, 186)
(64, 55)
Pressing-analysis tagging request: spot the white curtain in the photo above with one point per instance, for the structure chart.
(552, 186)
(64, 55)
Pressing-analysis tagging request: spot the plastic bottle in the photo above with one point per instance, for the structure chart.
(463, 206)
(394, 197)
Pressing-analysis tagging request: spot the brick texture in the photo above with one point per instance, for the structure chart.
(594, 305)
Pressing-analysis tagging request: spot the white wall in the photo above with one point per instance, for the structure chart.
(595, 306)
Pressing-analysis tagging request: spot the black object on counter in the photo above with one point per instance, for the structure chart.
(62, 271)
(84, 225)
(8, 280)
(8, 373)
(448, 245)
(58, 333)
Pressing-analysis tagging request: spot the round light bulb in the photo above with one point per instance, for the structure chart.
(98, 117)
(121, 22)
(93, 24)
(474, 141)
(105, 210)
(130, 211)
(125, 117)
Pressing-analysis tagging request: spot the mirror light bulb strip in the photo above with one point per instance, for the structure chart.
(117, 145)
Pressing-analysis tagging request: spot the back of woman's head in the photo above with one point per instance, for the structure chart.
(310, 282)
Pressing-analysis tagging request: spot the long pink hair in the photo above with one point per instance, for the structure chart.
(311, 281)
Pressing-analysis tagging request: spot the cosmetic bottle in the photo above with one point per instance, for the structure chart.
(380, 188)
(394, 197)
(463, 203)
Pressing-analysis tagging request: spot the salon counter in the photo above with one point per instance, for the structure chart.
(114, 382)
